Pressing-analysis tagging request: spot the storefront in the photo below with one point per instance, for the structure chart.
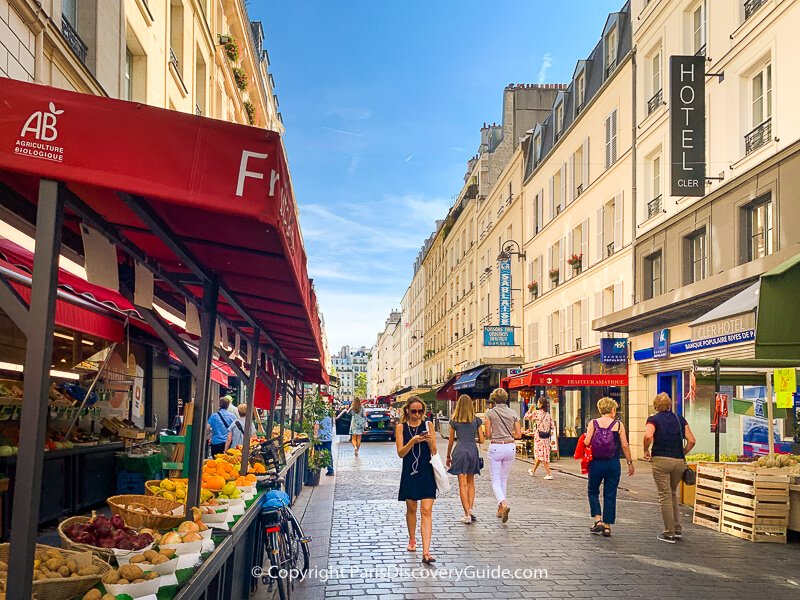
(206, 229)
(573, 386)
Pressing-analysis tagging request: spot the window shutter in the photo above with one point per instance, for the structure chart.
(562, 197)
(535, 215)
(585, 242)
(533, 341)
(540, 209)
(598, 312)
(608, 141)
(530, 271)
(550, 334)
(549, 259)
(617, 296)
(552, 198)
(618, 223)
(562, 251)
(540, 274)
(562, 319)
(585, 323)
(585, 166)
(599, 236)
(613, 136)
(570, 179)
(568, 252)
(568, 330)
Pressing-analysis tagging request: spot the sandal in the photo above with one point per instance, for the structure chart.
(597, 527)
(428, 558)
(412, 546)
(606, 531)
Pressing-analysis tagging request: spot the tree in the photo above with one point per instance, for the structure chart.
(360, 388)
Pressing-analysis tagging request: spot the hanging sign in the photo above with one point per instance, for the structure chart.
(494, 335)
(661, 343)
(687, 114)
(613, 350)
(785, 385)
(505, 292)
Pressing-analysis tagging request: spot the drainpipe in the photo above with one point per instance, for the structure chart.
(633, 170)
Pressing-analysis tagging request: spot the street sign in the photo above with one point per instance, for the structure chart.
(498, 335)
(613, 350)
(505, 292)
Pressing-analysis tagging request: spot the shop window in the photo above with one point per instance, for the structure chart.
(573, 414)
(652, 275)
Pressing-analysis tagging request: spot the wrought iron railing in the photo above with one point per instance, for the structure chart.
(758, 137)
(654, 206)
(654, 102)
(610, 249)
(173, 60)
(556, 348)
(579, 190)
(197, 110)
(612, 65)
(579, 108)
(558, 209)
(751, 6)
(557, 135)
(472, 191)
(73, 39)
(578, 343)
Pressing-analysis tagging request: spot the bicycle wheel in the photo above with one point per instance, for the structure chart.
(298, 544)
(278, 574)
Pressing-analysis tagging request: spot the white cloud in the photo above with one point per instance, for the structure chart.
(353, 317)
(349, 113)
(409, 157)
(547, 62)
(344, 131)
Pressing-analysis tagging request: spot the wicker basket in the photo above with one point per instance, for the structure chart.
(157, 482)
(62, 589)
(119, 506)
(104, 553)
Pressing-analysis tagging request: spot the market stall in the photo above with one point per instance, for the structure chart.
(204, 228)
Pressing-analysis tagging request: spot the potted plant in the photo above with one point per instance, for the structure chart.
(240, 77)
(251, 112)
(576, 262)
(554, 275)
(316, 460)
(533, 288)
(231, 48)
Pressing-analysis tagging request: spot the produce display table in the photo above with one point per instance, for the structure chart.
(73, 481)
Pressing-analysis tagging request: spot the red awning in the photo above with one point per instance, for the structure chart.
(544, 376)
(447, 391)
(219, 370)
(262, 396)
(222, 190)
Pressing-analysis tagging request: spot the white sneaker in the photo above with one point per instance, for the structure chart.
(548, 476)
(530, 472)
(466, 520)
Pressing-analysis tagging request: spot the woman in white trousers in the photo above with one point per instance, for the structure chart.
(502, 429)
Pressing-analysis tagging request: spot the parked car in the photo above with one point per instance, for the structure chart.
(380, 424)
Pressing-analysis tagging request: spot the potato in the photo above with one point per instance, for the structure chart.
(72, 565)
(123, 582)
(168, 552)
(139, 558)
(159, 559)
(140, 580)
(130, 572)
(150, 575)
(53, 553)
(54, 575)
(90, 570)
(64, 571)
(108, 597)
(54, 564)
(94, 594)
(149, 555)
(3, 566)
(111, 577)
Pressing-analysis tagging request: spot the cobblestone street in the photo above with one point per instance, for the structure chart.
(547, 530)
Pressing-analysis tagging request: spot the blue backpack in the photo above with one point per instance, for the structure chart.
(603, 443)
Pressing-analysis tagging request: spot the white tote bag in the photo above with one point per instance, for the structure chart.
(439, 472)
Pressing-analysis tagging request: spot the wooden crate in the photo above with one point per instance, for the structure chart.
(708, 495)
(755, 504)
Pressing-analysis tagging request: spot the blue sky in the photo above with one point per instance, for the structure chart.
(383, 102)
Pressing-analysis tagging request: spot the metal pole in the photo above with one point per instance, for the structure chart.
(284, 389)
(294, 405)
(202, 375)
(302, 401)
(251, 390)
(33, 423)
(271, 415)
(770, 416)
(717, 386)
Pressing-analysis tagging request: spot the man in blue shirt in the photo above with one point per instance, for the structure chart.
(219, 423)
(323, 431)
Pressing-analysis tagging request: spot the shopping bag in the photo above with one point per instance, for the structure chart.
(439, 472)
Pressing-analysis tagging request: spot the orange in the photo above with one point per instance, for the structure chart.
(215, 483)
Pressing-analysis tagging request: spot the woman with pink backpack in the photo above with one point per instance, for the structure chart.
(606, 437)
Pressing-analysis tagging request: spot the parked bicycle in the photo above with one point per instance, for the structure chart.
(285, 544)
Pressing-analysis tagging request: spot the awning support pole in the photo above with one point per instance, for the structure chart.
(284, 390)
(13, 305)
(294, 405)
(770, 416)
(251, 389)
(208, 323)
(271, 416)
(33, 423)
(302, 401)
(717, 386)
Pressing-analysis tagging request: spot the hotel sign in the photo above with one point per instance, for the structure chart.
(498, 335)
(724, 327)
(505, 292)
(687, 114)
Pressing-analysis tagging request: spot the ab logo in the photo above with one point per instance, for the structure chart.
(42, 124)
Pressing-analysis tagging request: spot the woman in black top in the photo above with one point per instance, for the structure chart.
(415, 445)
(664, 437)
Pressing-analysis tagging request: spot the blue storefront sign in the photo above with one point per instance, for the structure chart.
(692, 346)
(498, 335)
(661, 343)
(505, 292)
(613, 350)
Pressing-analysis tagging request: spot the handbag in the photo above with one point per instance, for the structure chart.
(689, 477)
(480, 462)
(439, 472)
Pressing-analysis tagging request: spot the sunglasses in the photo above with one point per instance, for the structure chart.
(416, 411)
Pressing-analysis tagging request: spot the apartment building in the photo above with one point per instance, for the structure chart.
(382, 363)
(349, 363)
(434, 264)
(698, 258)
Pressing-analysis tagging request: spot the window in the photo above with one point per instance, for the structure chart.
(537, 147)
(699, 29)
(577, 172)
(557, 199)
(655, 73)
(652, 275)
(128, 91)
(611, 138)
(761, 110)
(580, 93)
(654, 205)
(698, 256)
(535, 211)
(758, 229)
(176, 35)
(559, 120)
(611, 51)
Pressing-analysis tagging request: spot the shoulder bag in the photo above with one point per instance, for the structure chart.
(689, 477)
(439, 472)
(545, 435)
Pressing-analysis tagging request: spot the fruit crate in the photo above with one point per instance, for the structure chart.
(755, 504)
(708, 495)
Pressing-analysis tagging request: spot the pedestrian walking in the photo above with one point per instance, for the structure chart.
(358, 421)
(416, 444)
(502, 429)
(218, 424)
(323, 432)
(236, 429)
(606, 437)
(541, 444)
(664, 446)
(464, 461)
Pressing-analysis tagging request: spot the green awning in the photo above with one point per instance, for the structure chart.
(777, 326)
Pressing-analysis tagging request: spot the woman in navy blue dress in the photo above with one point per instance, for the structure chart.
(415, 445)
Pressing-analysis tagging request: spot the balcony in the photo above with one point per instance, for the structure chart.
(758, 137)
(197, 110)
(610, 249)
(579, 108)
(73, 39)
(472, 191)
(611, 67)
(579, 190)
(173, 60)
(558, 209)
(556, 349)
(557, 135)
(654, 207)
(654, 102)
(578, 343)
(751, 6)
